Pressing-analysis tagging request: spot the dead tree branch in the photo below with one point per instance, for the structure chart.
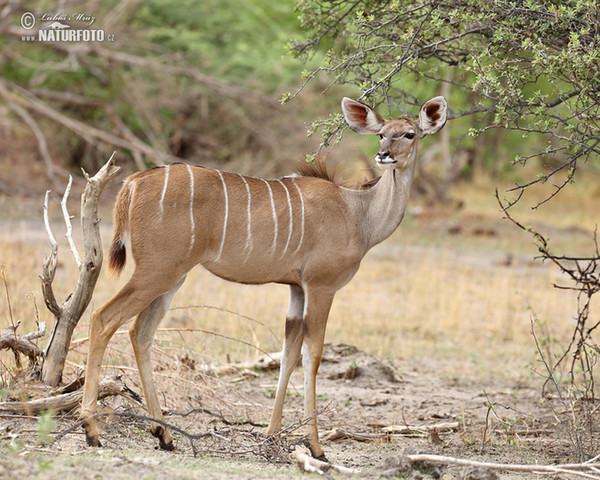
(308, 464)
(67, 218)
(585, 273)
(49, 266)
(68, 314)
(580, 356)
(67, 401)
(22, 343)
(586, 470)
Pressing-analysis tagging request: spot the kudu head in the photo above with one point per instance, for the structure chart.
(398, 137)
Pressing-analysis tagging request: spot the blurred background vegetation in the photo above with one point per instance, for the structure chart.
(202, 82)
(185, 80)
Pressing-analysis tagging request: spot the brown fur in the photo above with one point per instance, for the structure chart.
(320, 168)
(367, 184)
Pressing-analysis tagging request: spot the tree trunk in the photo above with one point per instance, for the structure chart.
(68, 314)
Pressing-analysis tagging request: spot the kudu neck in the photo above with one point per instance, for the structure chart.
(380, 209)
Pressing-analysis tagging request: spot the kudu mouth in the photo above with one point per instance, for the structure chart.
(385, 160)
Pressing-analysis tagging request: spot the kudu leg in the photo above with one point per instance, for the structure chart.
(142, 333)
(292, 345)
(134, 297)
(315, 321)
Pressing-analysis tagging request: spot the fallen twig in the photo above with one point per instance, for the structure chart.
(389, 432)
(218, 415)
(67, 401)
(408, 429)
(586, 469)
(311, 465)
(341, 433)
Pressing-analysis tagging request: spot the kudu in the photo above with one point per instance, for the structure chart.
(305, 232)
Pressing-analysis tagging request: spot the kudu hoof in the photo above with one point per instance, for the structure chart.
(322, 458)
(91, 434)
(160, 434)
(92, 440)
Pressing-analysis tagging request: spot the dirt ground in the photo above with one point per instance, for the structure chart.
(359, 395)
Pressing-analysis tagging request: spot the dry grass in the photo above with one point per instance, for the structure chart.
(459, 302)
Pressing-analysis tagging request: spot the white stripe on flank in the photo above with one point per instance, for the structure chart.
(287, 193)
(302, 216)
(274, 215)
(192, 227)
(249, 209)
(164, 190)
(226, 215)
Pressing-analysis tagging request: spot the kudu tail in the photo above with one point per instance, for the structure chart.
(118, 250)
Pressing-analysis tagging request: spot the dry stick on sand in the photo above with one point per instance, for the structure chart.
(589, 469)
(392, 431)
(67, 401)
(311, 465)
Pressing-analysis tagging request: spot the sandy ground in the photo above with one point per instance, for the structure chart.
(360, 396)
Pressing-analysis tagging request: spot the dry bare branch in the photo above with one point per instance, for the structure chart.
(404, 429)
(49, 266)
(269, 361)
(311, 465)
(226, 441)
(67, 401)
(67, 218)
(584, 470)
(217, 85)
(22, 343)
(580, 355)
(390, 432)
(68, 314)
(342, 433)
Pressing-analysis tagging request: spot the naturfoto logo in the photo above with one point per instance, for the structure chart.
(54, 28)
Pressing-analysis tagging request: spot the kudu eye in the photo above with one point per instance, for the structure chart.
(409, 135)
(380, 136)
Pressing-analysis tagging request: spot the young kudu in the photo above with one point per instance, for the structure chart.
(305, 232)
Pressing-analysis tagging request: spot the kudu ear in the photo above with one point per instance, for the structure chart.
(432, 116)
(360, 117)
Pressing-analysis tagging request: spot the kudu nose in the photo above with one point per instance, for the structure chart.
(383, 154)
